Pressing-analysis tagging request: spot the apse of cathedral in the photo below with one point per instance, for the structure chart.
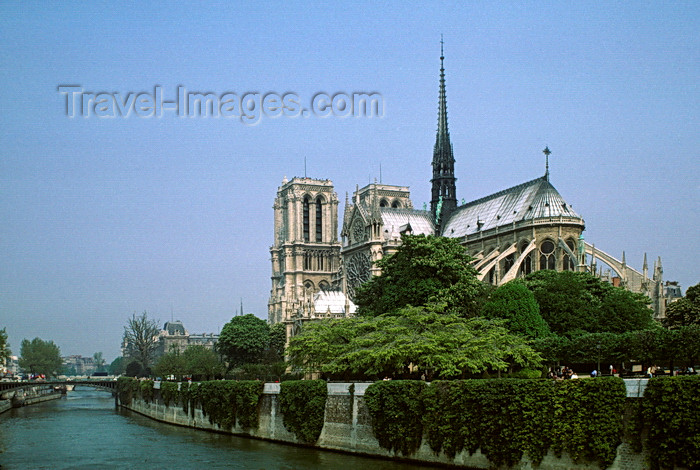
(510, 233)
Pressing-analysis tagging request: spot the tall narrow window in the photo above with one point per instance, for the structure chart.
(319, 220)
(306, 218)
(508, 262)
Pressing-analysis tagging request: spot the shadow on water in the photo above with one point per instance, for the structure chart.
(84, 430)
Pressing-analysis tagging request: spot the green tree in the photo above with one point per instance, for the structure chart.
(40, 357)
(140, 335)
(424, 270)
(622, 310)
(684, 311)
(134, 369)
(683, 344)
(99, 362)
(572, 303)
(243, 340)
(202, 362)
(517, 305)
(171, 363)
(278, 341)
(5, 352)
(414, 338)
(118, 366)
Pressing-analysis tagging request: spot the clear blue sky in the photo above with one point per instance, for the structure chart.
(101, 218)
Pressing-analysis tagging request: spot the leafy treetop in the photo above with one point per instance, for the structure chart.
(516, 303)
(424, 270)
(573, 302)
(118, 366)
(243, 340)
(40, 357)
(429, 340)
(197, 361)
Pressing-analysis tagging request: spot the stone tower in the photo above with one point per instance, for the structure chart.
(444, 189)
(306, 252)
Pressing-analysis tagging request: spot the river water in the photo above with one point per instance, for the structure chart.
(85, 431)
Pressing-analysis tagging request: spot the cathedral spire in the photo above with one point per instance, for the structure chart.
(444, 192)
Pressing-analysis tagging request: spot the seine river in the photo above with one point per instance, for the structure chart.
(85, 431)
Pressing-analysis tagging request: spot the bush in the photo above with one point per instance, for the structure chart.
(669, 412)
(303, 405)
(396, 410)
(503, 418)
(588, 418)
(169, 393)
(127, 390)
(146, 388)
(228, 402)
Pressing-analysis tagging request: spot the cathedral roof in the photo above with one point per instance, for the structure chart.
(527, 201)
(398, 220)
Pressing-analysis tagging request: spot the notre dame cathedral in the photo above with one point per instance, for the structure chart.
(510, 234)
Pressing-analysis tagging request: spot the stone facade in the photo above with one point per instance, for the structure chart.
(510, 233)
(306, 252)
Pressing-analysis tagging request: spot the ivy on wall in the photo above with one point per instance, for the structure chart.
(668, 415)
(503, 418)
(169, 393)
(589, 419)
(176, 394)
(225, 403)
(146, 388)
(506, 419)
(228, 402)
(396, 409)
(303, 406)
(127, 390)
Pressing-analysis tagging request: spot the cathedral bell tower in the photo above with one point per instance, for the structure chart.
(444, 191)
(306, 252)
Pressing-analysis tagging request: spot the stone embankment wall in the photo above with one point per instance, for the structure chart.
(28, 395)
(348, 428)
(5, 405)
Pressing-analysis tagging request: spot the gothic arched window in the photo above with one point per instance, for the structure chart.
(383, 203)
(547, 260)
(306, 218)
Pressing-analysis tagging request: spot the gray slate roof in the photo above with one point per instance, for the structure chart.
(174, 328)
(397, 220)
(527, 201)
